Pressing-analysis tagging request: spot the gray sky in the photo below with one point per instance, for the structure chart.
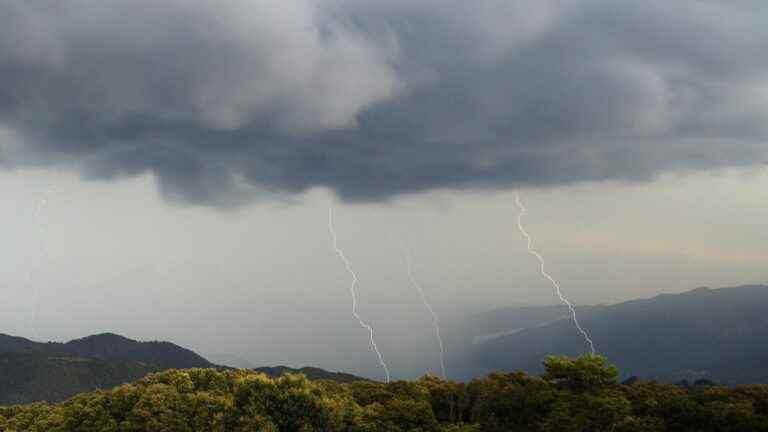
(262, 281)
(186, 152)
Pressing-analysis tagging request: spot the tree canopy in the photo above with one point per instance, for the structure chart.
(580, 394)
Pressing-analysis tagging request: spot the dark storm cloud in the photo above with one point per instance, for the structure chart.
(224, 101)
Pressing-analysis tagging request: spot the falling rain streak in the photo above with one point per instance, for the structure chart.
(435, 319)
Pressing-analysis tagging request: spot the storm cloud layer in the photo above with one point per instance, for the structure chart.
(224, 101)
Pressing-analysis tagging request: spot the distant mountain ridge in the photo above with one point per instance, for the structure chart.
(703, 333)
(111, 347)
(53, 371)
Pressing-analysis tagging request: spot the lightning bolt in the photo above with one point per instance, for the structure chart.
(435, 319)
(550, 278)
(352, 291)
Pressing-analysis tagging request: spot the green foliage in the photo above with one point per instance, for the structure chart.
(573, 395)
(584, 374)
(449, 400)
(510, 401)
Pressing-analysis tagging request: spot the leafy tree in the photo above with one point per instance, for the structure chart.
(578, 394)
(585, 373)
(510, 401)
(449, 400)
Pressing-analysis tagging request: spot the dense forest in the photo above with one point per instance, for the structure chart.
(581, 394)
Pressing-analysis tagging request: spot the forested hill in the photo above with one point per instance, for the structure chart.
(33, 371)
(28, 376)
(573, 395)
(312, 373)
(704, 333)
(111, 347)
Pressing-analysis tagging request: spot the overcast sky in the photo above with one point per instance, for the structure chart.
(167, 166)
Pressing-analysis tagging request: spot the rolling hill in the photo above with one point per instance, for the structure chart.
(28, 377)
(52, 371)
(32, 371)
(704, 333)
(110, 347)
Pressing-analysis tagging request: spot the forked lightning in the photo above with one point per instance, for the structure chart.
(550, 278)
(354, 293)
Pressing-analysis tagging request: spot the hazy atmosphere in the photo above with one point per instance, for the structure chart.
(167, 167)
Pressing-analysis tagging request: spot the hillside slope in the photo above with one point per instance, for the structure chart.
(27, 377)
(110, 347)
(712, 333)
(33, 371)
